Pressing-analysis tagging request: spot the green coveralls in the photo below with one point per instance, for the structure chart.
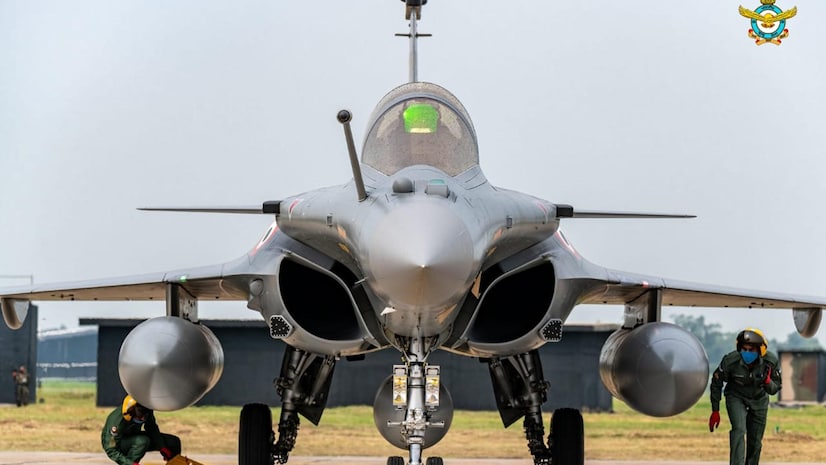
(747, 402)
(21, 392)
(126, 442)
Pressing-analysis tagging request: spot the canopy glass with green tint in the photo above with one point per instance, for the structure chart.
(420, 118)
(421, 131)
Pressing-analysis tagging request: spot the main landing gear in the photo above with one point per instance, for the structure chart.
(520, 389)
(304, 386)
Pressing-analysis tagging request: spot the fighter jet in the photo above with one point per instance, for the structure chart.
(416, 253)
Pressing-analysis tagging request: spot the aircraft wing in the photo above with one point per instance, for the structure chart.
(203, 283)
(210, 282)
(622, 287)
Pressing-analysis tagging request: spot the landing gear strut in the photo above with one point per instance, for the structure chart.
(287, 433)
(412, 409)
(520, 389)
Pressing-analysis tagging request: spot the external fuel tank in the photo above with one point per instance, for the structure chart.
(169, 363)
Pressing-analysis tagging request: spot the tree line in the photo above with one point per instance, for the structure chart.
(718, 343)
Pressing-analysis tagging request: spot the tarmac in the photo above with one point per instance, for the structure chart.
(63, 458)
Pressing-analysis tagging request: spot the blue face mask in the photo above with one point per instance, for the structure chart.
(140, 422)
(748, 357)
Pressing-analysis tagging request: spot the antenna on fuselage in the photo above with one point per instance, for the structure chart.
(413, 13)
(344, 118)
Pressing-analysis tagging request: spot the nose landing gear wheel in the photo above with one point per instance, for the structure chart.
(434, 461)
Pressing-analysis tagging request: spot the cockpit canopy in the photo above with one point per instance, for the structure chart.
(420, 124)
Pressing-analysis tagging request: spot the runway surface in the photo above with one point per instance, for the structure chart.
(63, 458)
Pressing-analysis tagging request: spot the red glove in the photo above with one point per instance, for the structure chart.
(768, 375)
(713, 421)
(136, 463)
(166, 453)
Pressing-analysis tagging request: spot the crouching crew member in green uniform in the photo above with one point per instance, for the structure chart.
(131, 431)
(751, 374)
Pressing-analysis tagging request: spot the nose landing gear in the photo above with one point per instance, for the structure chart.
(412, 409)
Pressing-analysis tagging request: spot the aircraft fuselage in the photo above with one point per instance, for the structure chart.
(420, 239)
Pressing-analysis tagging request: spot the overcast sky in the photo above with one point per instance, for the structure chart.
(652, 106)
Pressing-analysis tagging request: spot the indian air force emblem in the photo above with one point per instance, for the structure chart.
(768, 22)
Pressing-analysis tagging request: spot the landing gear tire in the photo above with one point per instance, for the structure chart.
(434, 461)
(394, 460)
(567, 437)
(255, 435)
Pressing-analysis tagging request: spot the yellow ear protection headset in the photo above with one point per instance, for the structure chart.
(132, 408)
(753, 336)
(128, 407)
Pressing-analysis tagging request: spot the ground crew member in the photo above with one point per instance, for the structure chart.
(751, 374)
(21, 386)
(131, 431)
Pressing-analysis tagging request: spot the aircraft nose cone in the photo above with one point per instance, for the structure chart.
(420, 256)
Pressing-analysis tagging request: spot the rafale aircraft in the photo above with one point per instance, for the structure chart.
(416, 253)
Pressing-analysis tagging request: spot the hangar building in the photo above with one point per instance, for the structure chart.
(19, 347)
(67, 353)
